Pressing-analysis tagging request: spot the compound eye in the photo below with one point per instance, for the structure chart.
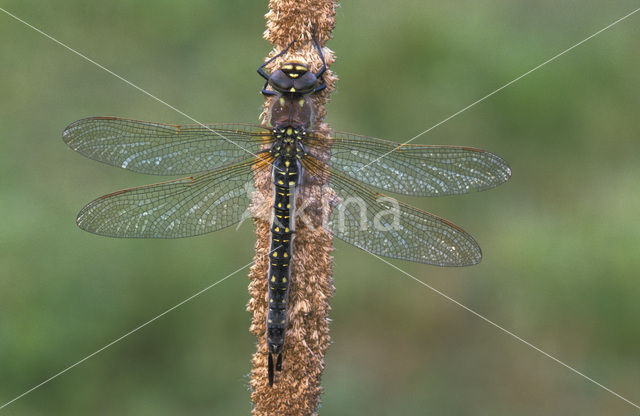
(306, 82)
(280, 81)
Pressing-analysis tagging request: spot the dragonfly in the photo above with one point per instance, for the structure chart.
(224, 161)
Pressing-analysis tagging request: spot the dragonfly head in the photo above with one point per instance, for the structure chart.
(293, 78)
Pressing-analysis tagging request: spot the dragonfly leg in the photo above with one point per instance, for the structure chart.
(267, 92)
(322, 70)
(264, 75)
(320, 87)
(261, 67)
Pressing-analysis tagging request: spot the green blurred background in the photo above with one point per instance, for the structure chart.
(561, 239)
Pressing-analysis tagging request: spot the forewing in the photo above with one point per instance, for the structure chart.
(419, 170)
(383, 226)
(173, 209)
(163, 149)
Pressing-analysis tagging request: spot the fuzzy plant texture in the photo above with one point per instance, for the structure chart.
(297, 388)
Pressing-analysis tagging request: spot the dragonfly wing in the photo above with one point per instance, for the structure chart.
(173, 209)
(419, 170)
(384, 226)
(163, 149)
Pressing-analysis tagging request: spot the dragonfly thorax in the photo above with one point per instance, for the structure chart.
(287, 111)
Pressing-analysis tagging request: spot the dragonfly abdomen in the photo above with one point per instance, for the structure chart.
(285, 179)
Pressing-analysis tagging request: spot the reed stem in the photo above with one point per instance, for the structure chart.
(297, 388)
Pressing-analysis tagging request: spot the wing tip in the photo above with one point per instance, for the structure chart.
(502, 174)
(504, 167)
(80, 219)
(476, 252)
(67, 133)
